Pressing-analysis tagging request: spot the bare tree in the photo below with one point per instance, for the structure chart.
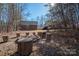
(68, 13)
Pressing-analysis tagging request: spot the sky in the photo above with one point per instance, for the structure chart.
(35, 9)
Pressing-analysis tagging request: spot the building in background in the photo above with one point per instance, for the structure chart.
(28, 25)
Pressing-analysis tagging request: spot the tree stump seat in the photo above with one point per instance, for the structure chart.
(5, 38)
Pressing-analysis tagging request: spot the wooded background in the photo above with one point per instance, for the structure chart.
(61, 15)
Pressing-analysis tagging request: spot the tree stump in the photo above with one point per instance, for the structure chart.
(25, 46)
(27, 34)
(40, 34)
(44, 35)
(34, 33)
(17, 34)
(5, 38)
(48, 37)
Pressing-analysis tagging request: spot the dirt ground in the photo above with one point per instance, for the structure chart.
(57, 46)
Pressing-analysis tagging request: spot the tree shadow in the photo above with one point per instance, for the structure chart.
(18, 54)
